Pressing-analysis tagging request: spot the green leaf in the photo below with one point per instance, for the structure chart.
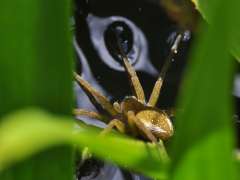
(203, 144)
(36, 70)
(238, 162)
(28, 132)
(208, 9)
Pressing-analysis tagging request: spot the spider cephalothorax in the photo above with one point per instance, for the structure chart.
(133, 116)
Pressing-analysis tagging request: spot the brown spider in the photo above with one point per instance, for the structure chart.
(133, 115)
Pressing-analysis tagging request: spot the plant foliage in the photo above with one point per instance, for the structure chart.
(36, 68)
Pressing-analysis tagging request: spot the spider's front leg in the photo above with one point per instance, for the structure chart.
(115, 123)
(90, 114)
(133, 78)
(132, 75)
(158, 85)
(96, 97)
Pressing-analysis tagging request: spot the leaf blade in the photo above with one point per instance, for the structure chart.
(27, 132)
(204, 139)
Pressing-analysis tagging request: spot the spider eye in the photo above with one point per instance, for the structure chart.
(118, 31)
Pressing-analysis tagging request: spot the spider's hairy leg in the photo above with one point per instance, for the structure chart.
(134, 80)
(131, 124)
(156, 92)
(115, 123)
(95, 95)
(158, 85)
(90, 114)
(131, 117)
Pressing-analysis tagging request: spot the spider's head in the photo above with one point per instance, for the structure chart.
(158, 122)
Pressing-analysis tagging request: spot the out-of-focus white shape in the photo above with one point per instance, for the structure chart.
(236, 87)
(187, 36)
(137, 56)
(171, 38)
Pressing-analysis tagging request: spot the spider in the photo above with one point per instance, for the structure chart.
(133, 116)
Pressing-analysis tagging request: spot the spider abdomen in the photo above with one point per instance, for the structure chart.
(156, 121)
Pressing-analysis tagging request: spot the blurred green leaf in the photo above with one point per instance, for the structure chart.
(236, 44)
(36, 70)
(238, 163)
(203, 144)
(28, 132)
(208, 9)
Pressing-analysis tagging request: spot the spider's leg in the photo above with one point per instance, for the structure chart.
(90, 114)
(133, 78)
(156, 92)
(134, 81)
(95, 96)
(148, 134)
(157, 87)
(115, 123)
(132, 124)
